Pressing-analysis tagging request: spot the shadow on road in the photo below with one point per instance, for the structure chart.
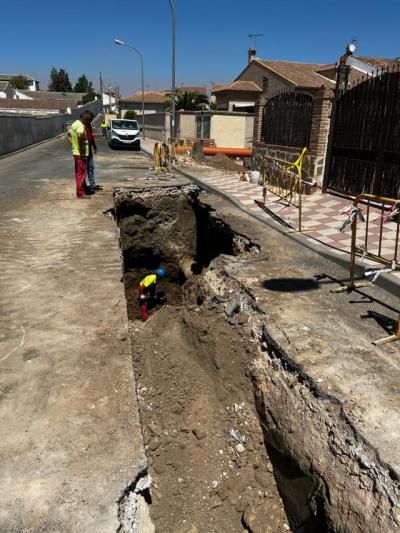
(290, 284)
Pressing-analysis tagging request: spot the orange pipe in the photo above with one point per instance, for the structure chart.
(237, 152)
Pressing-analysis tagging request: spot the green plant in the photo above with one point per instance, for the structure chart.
(19, 82)
(130, 114)
(89, 97)
(187, 101)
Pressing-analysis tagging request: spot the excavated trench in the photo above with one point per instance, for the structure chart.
(236, 437)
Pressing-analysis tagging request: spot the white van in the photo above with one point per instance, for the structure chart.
(123, 132)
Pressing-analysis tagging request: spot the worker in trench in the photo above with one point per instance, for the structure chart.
(147, 291)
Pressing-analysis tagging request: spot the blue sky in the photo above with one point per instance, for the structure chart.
(212, 37)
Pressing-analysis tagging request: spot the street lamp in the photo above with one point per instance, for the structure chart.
(173, 124)
(122, 43)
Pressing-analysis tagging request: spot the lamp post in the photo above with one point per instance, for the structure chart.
(122, 43)
(173, 124)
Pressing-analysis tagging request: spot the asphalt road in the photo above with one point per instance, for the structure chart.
(70, 442)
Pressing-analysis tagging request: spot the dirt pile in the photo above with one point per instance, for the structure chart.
(204, 445)
(223, 162)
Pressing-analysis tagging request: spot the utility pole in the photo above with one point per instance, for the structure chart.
(173, 113)
(101, 94)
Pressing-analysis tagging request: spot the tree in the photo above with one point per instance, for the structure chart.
(19, 82)
(187, 101)
(82, 85)
(130, 114)
(90, 96)
(59, 81)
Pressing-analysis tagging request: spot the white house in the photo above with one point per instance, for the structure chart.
(33, 85)
(109, 101)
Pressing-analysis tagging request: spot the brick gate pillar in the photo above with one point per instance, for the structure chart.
(259, 112)
(321, 116)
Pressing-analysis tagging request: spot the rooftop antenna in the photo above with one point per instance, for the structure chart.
(255, 36)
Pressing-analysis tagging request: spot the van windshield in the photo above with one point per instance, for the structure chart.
(125, 124)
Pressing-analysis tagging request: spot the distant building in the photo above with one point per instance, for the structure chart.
(39, 106)
(236, 96)
(154, 102)
(186, 88)
(33, 85)
(74, 98)
(110, 101)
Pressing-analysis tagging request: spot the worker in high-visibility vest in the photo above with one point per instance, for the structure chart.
(104, 129)
(147, 290)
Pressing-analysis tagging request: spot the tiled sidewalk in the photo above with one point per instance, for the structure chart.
(321, 212)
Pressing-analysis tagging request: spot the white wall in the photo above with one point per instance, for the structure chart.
(23, 111)
(22, 96)
(229, 131)
(33, 85)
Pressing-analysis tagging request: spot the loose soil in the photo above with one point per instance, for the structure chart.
(193, 391)
(223, 162)
(204, 445)
(242, 316)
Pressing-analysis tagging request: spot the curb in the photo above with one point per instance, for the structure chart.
(31, 146)
(385, 281)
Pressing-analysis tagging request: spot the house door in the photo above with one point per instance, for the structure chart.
(203, 126)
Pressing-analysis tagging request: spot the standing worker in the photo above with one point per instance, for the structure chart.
(90, 160)
(147, 290)
(104, 129)
(80, 151)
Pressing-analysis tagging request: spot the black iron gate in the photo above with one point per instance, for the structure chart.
(364, 144)
(287, 119)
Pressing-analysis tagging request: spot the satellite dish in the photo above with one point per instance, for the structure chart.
(351, 48)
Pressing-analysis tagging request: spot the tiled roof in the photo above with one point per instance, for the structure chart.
(187, 88)
(239, 86)
(217, 87)
(298, 74)
(149, 98)
(12, 103)
(7, 77)
(3, 85)
(379, 62)
(53, 95)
